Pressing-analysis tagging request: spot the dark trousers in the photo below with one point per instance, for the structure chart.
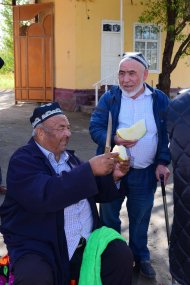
(140, 187)
(32, 269)
(117, 264)
(117, 267)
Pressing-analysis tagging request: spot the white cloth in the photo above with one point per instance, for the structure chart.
(131, 111)
(3, 247)
(78, 219)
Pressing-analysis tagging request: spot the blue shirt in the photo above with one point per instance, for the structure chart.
(77, 217)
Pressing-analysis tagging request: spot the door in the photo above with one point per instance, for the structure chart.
(110, 51)
(33, 52)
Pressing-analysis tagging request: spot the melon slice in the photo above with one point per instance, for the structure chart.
(122, 152)
(135, 132)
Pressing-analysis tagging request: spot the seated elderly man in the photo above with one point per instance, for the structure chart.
(2, 188)
(50, 207)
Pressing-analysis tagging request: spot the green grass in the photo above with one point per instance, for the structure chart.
(6, 81)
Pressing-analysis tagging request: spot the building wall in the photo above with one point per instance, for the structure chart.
(131, 13)
(89, 21)
(78, 42)
(65, 43)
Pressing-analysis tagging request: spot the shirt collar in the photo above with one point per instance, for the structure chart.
(49, 154)
(147, 91)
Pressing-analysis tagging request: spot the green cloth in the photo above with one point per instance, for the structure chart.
(91, 263)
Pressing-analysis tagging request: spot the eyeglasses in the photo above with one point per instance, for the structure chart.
(62, 129)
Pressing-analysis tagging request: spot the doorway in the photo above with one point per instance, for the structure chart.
(33, 52)
(110, 51)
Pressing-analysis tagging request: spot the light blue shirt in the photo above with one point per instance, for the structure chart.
(131, 111)
(78, 219)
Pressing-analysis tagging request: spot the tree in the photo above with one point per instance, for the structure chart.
(174, 17)
(7, 36)
(7, 49)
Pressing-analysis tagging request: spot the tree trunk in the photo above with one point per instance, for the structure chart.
(164, 83)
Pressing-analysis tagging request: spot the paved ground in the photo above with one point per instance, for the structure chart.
(15, 130)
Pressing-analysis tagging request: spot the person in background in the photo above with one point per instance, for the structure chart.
(130, 102)
(2, 188)
(178, 126)
(49, 211)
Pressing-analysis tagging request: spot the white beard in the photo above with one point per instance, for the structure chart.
(134, 92)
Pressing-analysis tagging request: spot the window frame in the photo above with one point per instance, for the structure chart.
(111, 23)
(158, 41)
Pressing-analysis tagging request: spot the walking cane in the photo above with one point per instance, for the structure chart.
(166, 214)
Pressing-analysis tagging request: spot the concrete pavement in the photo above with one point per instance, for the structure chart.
(15, 130)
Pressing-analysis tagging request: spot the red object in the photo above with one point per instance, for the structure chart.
(73, 282)
(4, 260)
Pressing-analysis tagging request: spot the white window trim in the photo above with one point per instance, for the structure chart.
(158, 70)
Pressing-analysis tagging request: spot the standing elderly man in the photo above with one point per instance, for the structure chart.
(50, 207)
(130, 102)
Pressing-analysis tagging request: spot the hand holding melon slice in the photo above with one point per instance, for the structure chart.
(135, 132)
(122, 152)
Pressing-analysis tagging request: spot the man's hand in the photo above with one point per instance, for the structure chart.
(103, 164)
(120, 141)
(121, 169)
(162, 169)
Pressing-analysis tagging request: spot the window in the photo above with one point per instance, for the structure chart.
(111, 27)
(147, 41)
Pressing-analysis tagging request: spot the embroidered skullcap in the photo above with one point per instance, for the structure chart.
(45, 112)
(1, 62)
(138, 56)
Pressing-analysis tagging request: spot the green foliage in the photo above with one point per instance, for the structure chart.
(8, 58)
(6, 80)
(7, 45)
(7, 37)
(155, 12)
(173, 16)
(158, 11)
